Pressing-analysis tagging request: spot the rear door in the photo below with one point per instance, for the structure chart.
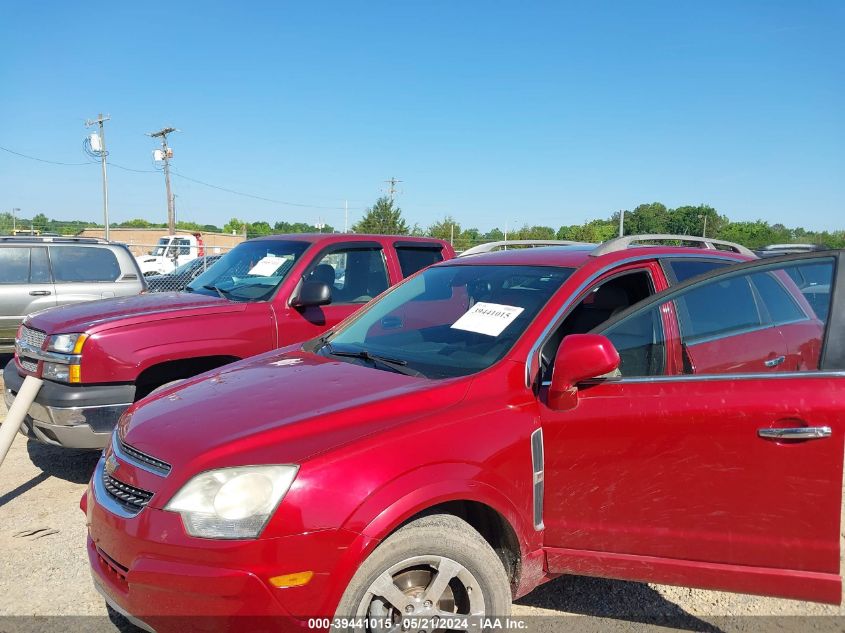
(728, 476)
(83, 273)
(25, 287)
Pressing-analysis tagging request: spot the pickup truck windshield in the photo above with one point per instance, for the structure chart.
(447, 321)
(251, 271)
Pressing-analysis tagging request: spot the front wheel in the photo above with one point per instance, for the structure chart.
(434, 573)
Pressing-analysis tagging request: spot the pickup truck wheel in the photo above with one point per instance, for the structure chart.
(435, 571)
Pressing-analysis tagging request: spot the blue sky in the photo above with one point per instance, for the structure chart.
(494, 112)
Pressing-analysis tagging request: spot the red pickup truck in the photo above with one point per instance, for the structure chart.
(491, 423)
(97, 358)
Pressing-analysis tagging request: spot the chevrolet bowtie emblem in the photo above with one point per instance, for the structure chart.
(111, 464)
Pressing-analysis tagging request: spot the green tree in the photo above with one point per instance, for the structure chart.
(257, 229)
(235, 226)
(383, 218)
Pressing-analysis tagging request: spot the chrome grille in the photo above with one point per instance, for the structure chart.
(28, 364)
(32, 337)
(158, 465)
(131, 498)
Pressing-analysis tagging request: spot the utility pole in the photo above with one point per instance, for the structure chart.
(165, 154)
(391, 187)
(704, 229)
(452, 233)
(97, 144)
(346, 216)
(621, 222)
(15, 211)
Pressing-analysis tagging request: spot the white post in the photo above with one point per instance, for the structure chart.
(15, 417)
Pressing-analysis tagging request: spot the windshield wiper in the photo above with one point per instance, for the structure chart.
(395, 364)
(219, 291)
(323, 341)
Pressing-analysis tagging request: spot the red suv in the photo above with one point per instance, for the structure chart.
(491, 423)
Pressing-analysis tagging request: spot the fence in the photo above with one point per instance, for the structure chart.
(172, 268)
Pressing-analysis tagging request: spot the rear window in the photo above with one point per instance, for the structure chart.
(414, 258)
(83, 264)
(679, 270)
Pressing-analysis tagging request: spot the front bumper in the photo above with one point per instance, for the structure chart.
(149, 569)
(73, 416)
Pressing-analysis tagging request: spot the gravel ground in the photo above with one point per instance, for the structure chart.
(44, 569)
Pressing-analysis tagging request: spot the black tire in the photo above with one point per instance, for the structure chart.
(439, 537)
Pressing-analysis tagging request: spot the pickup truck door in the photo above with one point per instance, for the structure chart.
(714, 477)
(356, 272)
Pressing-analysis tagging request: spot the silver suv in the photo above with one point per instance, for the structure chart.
(42, 272)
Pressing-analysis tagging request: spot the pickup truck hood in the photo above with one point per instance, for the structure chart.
(83, 317)
(277, 408)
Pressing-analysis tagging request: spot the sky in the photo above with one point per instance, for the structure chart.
(497, 113)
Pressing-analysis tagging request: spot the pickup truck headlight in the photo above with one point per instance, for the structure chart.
(232, 503)
(66, 343)
(61, 372)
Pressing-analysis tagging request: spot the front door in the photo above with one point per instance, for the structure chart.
(727, 475)
(356, 273)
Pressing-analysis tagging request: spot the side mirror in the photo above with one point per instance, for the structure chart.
(579, 357)
(312, 293)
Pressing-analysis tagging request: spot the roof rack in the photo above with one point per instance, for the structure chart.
(492, 246)
(40, 239)
(626, 241)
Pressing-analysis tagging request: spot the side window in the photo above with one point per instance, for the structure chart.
(83, 264)
(356, 275)
(39, 272)
(14, 265)
(184, 246)
(679, 270)
(780, 303)
(718, 308)
(721, 328)
(603, 301)
(413, 258)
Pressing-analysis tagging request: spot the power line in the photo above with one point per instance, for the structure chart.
(42, 160)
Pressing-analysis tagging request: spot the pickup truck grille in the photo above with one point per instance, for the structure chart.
(32, 337)
(161, 467)
(28, 364)
(131, 498)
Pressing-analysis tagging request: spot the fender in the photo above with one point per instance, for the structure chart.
(402, 498)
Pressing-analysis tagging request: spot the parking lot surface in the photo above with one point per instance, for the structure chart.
(44, 568)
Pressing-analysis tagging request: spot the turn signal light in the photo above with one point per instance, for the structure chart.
(292, 580)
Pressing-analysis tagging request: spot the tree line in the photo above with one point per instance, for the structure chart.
(385, 217)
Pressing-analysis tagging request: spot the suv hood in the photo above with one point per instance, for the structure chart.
(82, 317)
(277, 408)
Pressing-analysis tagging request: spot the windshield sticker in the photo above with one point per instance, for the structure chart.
(487, 318)
(267, 265)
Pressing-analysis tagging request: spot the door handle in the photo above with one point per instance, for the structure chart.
(775, 361)
(796, 433)
(40, 293)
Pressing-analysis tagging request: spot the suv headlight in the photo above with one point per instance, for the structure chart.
(66, 343)
(232, 503)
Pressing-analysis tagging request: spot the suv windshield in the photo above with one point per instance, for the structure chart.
(448, 320)
(251, 271)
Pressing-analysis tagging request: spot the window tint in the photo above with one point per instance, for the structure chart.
(720, 328)
(412, 259)
(679, 270)
(779, 302)
(356, 275)
(719, 307)
(14, 265)
(40, 267)
(80, 263)
(640, 343)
